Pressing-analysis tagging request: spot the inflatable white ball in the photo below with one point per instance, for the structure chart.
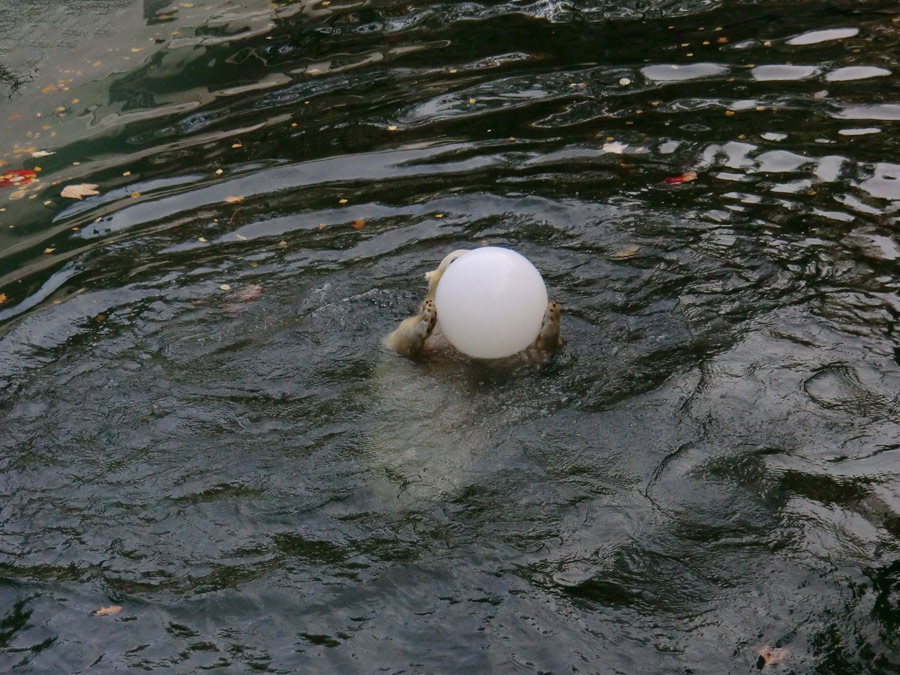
(491, 302)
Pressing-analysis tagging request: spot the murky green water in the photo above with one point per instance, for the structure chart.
(198, 423)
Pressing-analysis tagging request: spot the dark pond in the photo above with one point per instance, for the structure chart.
(198, 423)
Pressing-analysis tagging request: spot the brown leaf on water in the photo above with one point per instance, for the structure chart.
(628, 252)
(233, 199)
(773, 655)
(359, 223)
(107, 611)
(249, 293)
(79, 191)
(2, 298)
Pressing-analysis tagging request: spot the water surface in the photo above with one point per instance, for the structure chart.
(198, 423)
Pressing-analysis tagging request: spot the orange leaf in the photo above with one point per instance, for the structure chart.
(2, 298)
(359, 223)
(106, 611)
(233, 200)
(773, 655)
(683, 178)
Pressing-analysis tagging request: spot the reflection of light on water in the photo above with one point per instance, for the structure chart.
(783, 72)
(816, 36)
(880, 111)
(856, 73)
(689, 71)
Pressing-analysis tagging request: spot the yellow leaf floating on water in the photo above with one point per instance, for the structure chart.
(224, 287)
(233, 199)
(79, 191)
(2, 298)
(49, 250)
(625, 253)
(107, 611)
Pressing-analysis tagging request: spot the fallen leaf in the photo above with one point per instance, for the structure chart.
(683, 178)
(625, 253)
(79, 191)
(249, 293)
(135, 195)
(624, 82)
(233, 200)
(771, 656)
(127, 173)
(17, 177)
(240, 236)
(342, 201)
(359, 223)
(107, 611)
(49, 250)
(2, 298)
(237, 145)
(225, 287)
(615, 147)
(41, 153)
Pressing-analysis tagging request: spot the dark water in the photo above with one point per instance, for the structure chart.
(198, 422)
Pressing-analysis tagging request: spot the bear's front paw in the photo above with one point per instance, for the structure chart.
(548, 338)
(409, 337)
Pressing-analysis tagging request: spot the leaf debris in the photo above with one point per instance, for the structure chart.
(771, 656)
(683, 178)
(79, 191)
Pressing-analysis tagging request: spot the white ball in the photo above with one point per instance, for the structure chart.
(491, 302)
